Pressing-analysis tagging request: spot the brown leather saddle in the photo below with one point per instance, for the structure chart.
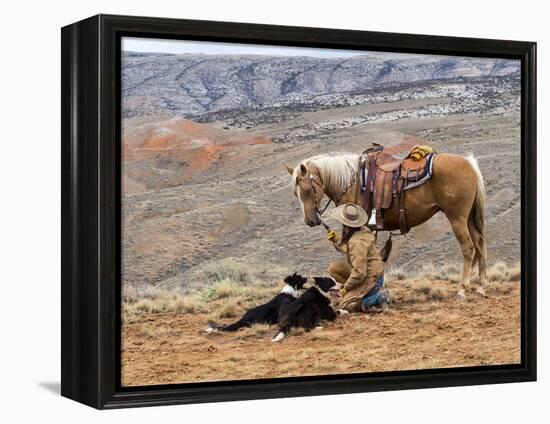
(385, 177)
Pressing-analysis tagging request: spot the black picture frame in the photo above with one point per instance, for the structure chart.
(90, 139)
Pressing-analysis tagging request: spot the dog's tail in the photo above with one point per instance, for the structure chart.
(213, 326)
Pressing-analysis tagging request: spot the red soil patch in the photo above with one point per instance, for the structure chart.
(189, 148)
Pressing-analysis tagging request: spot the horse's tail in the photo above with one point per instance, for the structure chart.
(476, 220)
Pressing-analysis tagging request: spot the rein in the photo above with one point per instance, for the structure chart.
(320, 212)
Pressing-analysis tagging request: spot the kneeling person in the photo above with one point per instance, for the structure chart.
(362, 271)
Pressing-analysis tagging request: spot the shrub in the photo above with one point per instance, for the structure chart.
(225, 270)
(227, 310)
(188, 305)
(156, 301)
(129, 294)
(500, 272)
(429, 292)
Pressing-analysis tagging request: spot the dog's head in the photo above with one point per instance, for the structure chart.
(328, 286)
(294, 284)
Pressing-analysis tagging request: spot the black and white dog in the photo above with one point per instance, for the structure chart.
(310, 308)
(267, 313)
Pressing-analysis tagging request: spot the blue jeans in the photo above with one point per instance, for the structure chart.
(373, 296)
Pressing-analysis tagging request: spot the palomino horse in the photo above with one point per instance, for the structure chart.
(456, 188)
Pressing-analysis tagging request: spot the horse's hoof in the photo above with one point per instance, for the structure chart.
(460, 296)
(481, 291)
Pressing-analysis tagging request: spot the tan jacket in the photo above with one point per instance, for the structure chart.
(363, 260)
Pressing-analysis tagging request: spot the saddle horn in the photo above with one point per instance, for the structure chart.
(376, 147)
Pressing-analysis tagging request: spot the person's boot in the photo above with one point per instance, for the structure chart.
(382, 303)
(384, 300)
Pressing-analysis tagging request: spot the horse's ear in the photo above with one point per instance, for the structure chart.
(289, 169)
(303, 169)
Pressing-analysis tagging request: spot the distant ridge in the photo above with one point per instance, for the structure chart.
(193, 84)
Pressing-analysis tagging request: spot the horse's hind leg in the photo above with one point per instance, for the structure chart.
(480, 261)
(482, 274)
(460, 228)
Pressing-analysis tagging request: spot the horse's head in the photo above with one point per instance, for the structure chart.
(309, 190)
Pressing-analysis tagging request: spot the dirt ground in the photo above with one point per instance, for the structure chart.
(425, 328)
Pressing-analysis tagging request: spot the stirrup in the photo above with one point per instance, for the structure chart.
(372, 220)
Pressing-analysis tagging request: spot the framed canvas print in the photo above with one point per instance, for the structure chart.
(254, 211)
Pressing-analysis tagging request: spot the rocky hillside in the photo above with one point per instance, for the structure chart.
(190, 85)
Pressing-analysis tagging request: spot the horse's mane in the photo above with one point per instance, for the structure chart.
(337, 170)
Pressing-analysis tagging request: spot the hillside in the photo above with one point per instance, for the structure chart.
(161, 152)
(191, 85)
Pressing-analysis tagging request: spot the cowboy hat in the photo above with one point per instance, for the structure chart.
(350, 215)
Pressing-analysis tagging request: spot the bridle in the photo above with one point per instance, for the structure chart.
(320, 212)
(318, 203)
(336, 202)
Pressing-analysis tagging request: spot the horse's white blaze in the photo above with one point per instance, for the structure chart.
(301, 201)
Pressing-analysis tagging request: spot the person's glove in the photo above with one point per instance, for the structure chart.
(343, 292)
(332, 236)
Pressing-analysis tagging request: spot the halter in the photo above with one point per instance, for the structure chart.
(318, 204)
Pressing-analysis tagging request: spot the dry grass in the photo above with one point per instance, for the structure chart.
(225, 270)
(256, 331)
(164, 339)
(429, 271)
(502, 273)
(228, 291)
(496, 273)
(138, 303)
(426, 329)
(424, 291)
